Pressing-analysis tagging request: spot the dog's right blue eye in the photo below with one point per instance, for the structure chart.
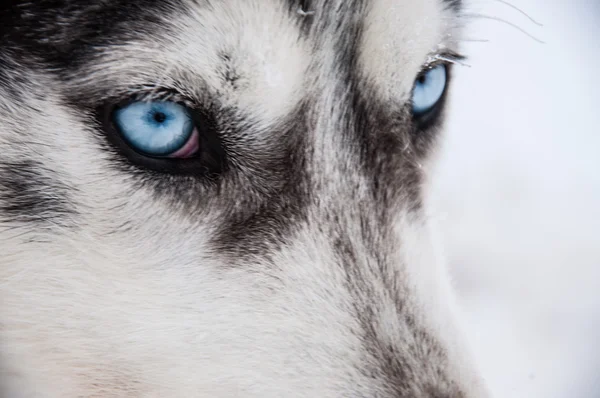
(429, 89)
(157, 129)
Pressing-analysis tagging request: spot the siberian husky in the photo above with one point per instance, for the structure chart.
(225, 198)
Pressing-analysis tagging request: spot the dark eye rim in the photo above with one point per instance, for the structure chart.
(209, 162)
(429, 118)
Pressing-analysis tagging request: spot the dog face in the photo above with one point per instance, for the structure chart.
(269, 239)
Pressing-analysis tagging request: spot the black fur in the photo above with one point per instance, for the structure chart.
(29, 192)
(65, 32)
(276, 195)
(456, 5)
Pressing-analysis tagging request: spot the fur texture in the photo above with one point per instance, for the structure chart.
(300, 263)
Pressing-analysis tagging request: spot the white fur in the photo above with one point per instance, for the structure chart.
(400, 37)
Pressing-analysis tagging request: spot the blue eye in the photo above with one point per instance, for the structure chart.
(159, 129)
(429, 89)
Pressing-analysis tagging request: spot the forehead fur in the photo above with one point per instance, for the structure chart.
(400, 37)
(254, 54)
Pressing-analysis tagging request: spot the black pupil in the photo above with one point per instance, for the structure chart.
(159, 117)
(422, 79)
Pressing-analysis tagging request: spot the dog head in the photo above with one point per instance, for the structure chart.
(224, 198)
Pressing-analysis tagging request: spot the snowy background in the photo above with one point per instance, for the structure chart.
(517, 194)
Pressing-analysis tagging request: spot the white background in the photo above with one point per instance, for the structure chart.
(517, 196)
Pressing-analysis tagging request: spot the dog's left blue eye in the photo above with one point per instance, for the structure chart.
(160, 129)
(429, 89)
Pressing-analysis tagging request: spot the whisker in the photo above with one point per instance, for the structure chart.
(467, 40)
(490, 17)
(514, 7)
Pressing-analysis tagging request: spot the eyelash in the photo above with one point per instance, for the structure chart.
(154, 93)
(448, 57)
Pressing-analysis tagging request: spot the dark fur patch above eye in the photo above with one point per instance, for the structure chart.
(65, 32)
(30, 193)
(228, 72)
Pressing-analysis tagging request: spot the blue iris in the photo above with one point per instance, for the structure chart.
(428, 90)
(155, 128)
